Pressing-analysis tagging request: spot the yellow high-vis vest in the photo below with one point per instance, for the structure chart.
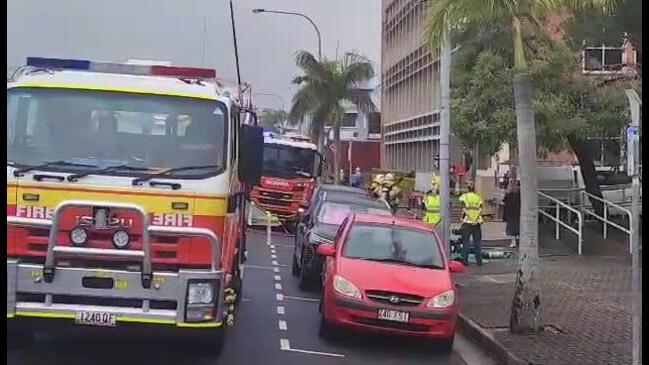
(472, 208)
(432, 213)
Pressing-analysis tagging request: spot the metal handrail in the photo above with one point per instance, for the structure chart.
(605, 219)
(557, 219)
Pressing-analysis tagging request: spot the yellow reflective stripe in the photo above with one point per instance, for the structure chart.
(45, 315)
(115, 89)
(120, 319)
(200, 325)
(145, 320)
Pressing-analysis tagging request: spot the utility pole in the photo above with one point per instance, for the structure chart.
(633, 169)
(445, 135)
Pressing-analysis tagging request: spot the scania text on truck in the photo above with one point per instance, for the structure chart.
(291, 165)
(125, 199)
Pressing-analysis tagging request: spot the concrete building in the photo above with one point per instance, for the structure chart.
(409, 89)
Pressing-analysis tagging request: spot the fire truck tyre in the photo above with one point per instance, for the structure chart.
(209, 345)
(19, 339)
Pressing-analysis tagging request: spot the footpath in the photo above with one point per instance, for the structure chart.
(586, 303)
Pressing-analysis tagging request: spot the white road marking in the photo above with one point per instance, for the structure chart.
(275, 263)
(284, 344)
(273, 251)
(278, 286)
(276, 269)
(272, 246)
(303, 299)
(282, 325)
(280, 309)
(314, 352)
(278, 278)
(279, 297)
(282, 245)
(273, 256)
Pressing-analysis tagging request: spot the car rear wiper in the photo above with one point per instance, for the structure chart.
(76, 177)
(139, 180)
(21, 172)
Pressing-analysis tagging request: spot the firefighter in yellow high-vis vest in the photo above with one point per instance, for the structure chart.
(471, 223)
(431, 206)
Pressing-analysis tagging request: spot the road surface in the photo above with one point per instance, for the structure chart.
(276, 324)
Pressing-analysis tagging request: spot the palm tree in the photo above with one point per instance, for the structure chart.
(324, 87)
(526, 304)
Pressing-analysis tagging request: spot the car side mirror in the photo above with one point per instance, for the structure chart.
(252, 158)
(327, 250)
(456, 267)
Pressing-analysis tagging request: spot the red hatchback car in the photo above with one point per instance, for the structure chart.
(391, 275)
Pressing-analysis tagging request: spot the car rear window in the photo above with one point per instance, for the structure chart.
(334, 213)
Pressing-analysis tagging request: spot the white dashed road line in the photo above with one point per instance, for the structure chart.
(282, 325)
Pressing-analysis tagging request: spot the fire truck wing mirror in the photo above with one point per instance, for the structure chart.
(251, 154)
(321, 163)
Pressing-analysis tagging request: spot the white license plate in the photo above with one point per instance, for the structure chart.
(95, 319)
(392, 315)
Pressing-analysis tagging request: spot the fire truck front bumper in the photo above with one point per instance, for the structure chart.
(113, 300)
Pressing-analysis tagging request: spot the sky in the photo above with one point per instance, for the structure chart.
(196, 33)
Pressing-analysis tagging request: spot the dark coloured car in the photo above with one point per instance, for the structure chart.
(320, 224)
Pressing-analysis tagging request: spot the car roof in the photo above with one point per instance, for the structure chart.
(388, 220)
(355, 200)
(341, 189)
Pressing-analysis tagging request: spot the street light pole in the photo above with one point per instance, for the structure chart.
(445, 135)
(633, 161)
(259, 11)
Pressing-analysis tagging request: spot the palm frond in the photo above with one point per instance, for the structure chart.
(356, 69)
(362, 99)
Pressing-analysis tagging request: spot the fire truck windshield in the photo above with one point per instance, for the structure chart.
(92, 130)
(282, 160)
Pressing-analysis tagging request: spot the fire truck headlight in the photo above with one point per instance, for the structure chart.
(78, 236)
(200, 293)
(121, 239)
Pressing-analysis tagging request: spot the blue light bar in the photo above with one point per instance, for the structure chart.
(58, 63)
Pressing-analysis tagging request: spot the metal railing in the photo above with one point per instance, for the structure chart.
(605, 218)
(558, 205)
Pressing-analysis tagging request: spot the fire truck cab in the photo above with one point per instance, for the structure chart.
(291, 165)
(125, 199)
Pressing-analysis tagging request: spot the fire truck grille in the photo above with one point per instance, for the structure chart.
(394, 298)
(275, 195)
(275, 202)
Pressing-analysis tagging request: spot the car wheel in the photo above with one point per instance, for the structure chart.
(295, 269)
(326, 331)
(446, 345)
(305, 279)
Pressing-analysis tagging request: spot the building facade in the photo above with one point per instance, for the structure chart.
(409, 89)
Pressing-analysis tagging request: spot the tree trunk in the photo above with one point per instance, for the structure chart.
(337, 153)
(526, 305)
(586, 159)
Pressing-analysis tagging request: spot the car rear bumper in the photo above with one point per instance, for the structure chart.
(361, 315)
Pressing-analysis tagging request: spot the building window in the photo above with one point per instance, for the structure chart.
(374, 125)
(350, 120)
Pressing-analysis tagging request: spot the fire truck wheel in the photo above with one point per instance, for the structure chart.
(20, 339)
(209, 346)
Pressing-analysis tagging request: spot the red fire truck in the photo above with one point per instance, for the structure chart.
(291, 165)
(125, 199)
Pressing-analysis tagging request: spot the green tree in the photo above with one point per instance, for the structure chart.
(324, 87)
(521, 15)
